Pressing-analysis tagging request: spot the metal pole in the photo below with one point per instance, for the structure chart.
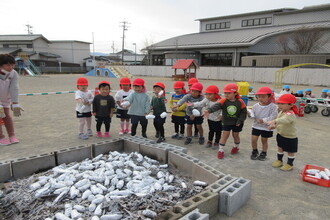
(134, 54)
(93, 53)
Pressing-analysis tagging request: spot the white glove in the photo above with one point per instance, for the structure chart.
(196, 113)
(125, 104)
(251, 113)
(163, 115)
(2, 112)
(160, 93)
(150, 116)
(17, 109)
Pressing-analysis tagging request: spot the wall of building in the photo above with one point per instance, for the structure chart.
(299, 76)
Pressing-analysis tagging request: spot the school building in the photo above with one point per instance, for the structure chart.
(233, 40)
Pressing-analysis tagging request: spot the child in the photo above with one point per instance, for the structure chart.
(84, 99)
(194, 96)
(324, 93)
(286, 138)
(103, 108)
(285, 90)
(179, 114)
(308, 94)
(191, 81)
(214, 119)
(139, 103)
(125, 90)
(300, 93)
(8, 97)
(158, 107)
(262, 112)
(233, 116)
(251, 93)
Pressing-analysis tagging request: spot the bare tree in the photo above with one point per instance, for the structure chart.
(302, 41)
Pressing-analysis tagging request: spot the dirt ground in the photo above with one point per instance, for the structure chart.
(48, 123)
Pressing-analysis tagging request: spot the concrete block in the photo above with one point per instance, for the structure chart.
(206, 173)
(235, 196)
(195, 215)
(154, 152)
(181, 162)
(174, 147)
(206, 201)
(221, 183)
(105, 147)
(5, 171)
(131, 145)
(27, 166)
(73, 154)
(168, 215)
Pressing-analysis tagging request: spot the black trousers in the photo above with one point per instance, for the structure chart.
(102, 120)
(176, 128)
(215, 127)
(159, 125)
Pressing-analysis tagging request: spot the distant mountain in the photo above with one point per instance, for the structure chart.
(99, 54)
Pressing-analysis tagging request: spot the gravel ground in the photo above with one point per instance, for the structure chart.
(48, 123)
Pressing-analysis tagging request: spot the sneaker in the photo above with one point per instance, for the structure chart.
(175, 135)
(277, 163)
(89, 133)
(262, 156)
(215, 146)
(188, 140)
(99, 134)
(254, 155)
(221, 154)
(106, 134)
(208, 144)
(286, 167)
(234, 150)
(201, 140)
(144, 135)
(157, 135)
(160, 140)
(180, 136)
(122, 132)
(82, 136)
(127, 131)
(4, 142)
(13, 140)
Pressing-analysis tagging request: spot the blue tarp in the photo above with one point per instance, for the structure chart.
(101, 72)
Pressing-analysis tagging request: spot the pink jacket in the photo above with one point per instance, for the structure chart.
(8, 89)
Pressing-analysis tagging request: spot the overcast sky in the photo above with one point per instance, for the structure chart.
(149, 20)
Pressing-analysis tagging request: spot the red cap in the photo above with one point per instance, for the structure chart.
(125, 81)
(104, 82)
(287, 99)
(192, 81)
(264, 91)
(197, 86)
(231, 87)
(178, 85)
(212, 89)
(82, 81)
(138, 82)
(161, 85)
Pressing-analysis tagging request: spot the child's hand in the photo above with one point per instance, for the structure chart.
(237, 125)
(206, 114)
(220, 117)
(271, 124)
(175, 108)
(260, 121)
(94, 113)
(189, 104)
(111, 115)
(192, 117)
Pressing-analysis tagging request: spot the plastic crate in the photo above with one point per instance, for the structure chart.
(320, 182)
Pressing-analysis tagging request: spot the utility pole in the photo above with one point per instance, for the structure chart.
(29, 28)
(113, 47)
(124, 26)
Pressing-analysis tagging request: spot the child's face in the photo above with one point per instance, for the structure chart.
(8, 67)
(230, 95)
(82, 88)
(308, 93)
(157, 90)
(195, 93)
(137, 89)
(284, 107)
(264, 99)
(287, 90)
(210, 96)
(189, 86)
(178, 91)
(104, 90)
(125, 87)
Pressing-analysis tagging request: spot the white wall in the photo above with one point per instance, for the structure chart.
(298, 76)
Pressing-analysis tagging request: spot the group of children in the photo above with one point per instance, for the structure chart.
(307, 93)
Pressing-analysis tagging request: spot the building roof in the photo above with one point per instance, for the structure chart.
(9, 50)
(230, 38)
(183, 64)
(70, 41)
(22, 37)
(50, 55)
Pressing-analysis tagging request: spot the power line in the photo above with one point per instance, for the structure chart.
(29, 28)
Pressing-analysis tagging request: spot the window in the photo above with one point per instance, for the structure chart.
(327, 62)
(257, 21)
(227, 24)
(208, 27)
(262, 21)
(286, 62)
(268, 20)
(244, 23)
(158, 59)
(217, 59)
(212, 26)
(29, 46)
(250, 22)
(254, 62)
(6, 46)
(218, 25)
(223, 25)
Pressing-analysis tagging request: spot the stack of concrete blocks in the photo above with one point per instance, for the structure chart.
(195, 215)
(224, 193)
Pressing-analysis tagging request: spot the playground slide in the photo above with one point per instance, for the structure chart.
(30, 72)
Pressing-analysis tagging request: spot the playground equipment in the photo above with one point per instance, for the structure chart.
(313, 105)
(189, 68)
(112, 72)
(279, 74)
(26, 66)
